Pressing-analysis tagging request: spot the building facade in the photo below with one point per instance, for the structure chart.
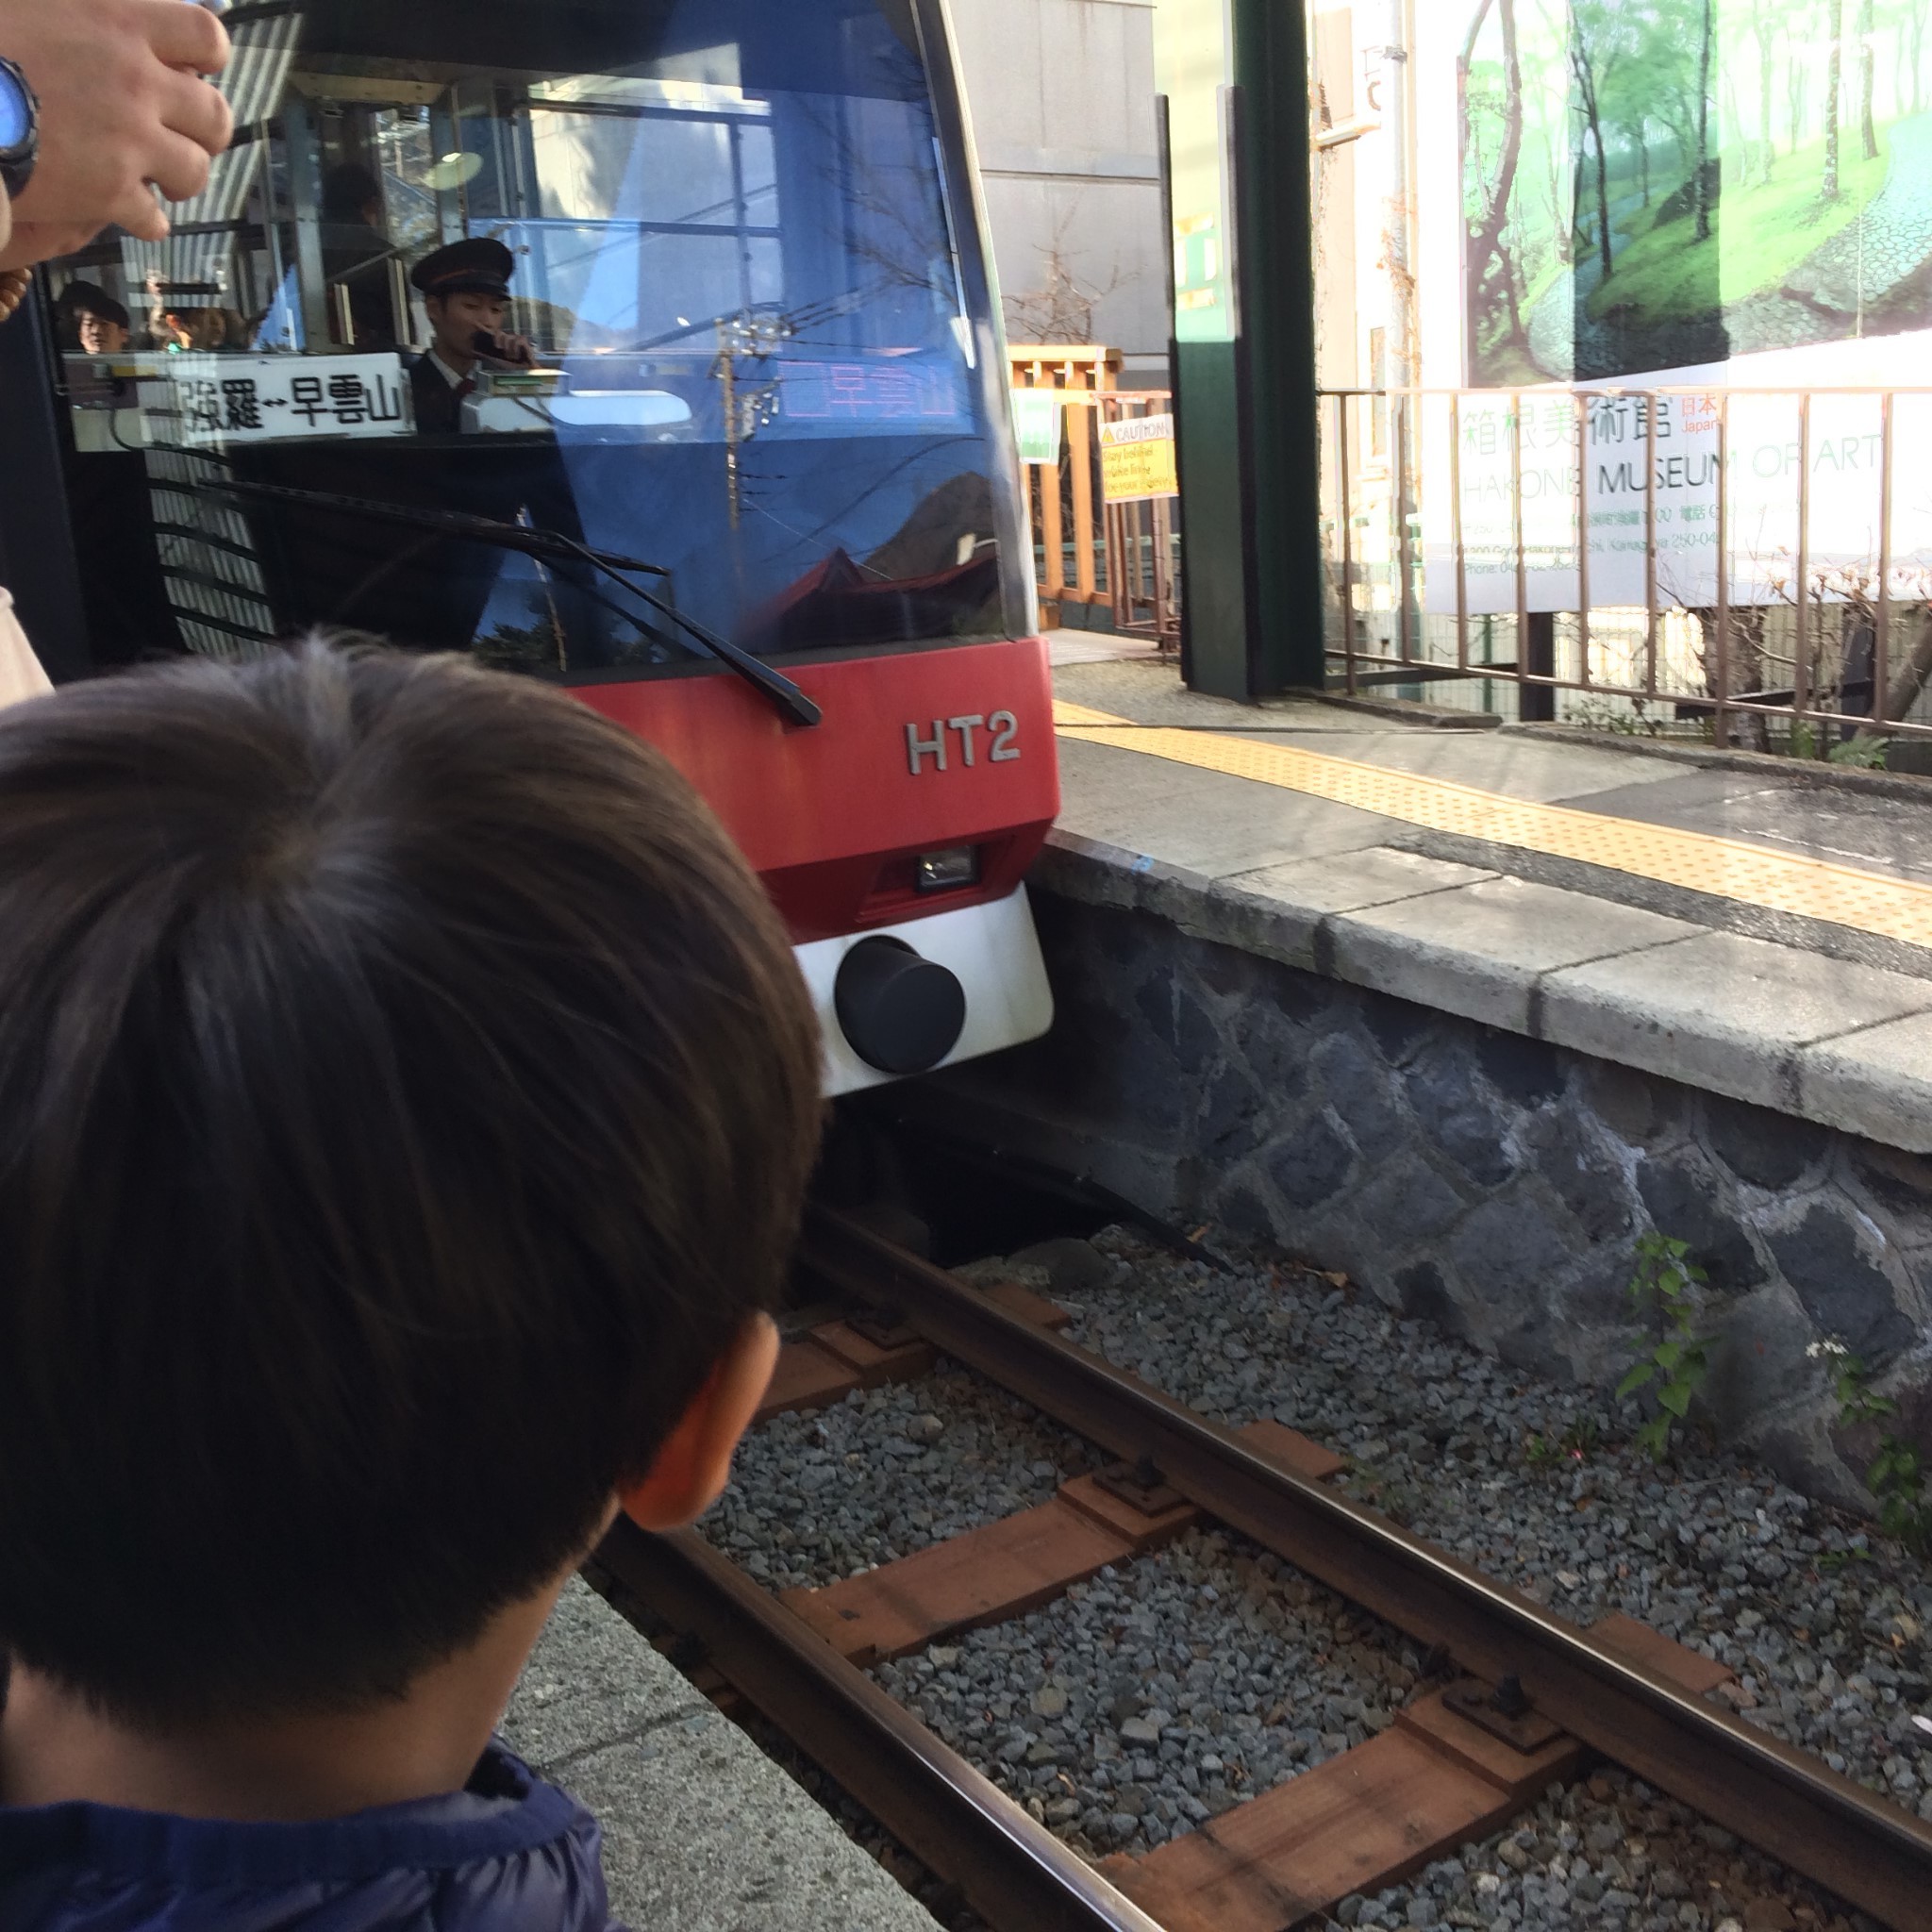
(1064, 96)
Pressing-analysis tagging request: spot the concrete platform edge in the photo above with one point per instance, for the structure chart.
(702, 1831)
(1843, 1045)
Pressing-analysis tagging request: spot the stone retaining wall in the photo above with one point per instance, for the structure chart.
(1489, 1182)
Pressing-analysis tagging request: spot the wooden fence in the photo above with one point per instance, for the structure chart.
(1121, 558)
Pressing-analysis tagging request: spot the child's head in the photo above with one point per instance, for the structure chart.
(405, 1098)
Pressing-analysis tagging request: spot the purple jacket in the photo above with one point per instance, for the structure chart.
(510, 1854)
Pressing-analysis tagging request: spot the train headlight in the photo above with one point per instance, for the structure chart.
(949, 871)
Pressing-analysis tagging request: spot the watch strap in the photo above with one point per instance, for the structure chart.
(17, 164)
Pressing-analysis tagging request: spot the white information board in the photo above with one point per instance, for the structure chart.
(219, 400)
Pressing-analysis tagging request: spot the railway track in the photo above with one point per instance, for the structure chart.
(1540, 1693)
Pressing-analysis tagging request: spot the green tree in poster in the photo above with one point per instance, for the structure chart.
(1596, 55)
(1702, 170)
(1486, 233)
(1834, 86)
(1796, 74)
(1764, 18)
(1868, 64)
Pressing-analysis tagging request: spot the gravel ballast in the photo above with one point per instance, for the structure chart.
(1168, 1690)
(1609, 1852)
(1161, 1693)
(1823, 1620)
(833, 1493)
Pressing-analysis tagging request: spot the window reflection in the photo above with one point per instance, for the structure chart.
(673, 280)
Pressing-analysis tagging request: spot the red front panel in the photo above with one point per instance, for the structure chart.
(834, 817)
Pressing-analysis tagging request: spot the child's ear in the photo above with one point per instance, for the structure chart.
(694, 1464)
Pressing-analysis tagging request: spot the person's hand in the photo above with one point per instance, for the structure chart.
(124, 112)
(519, 352)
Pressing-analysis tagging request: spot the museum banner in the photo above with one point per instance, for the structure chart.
(1693, 211)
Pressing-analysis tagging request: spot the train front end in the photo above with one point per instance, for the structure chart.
(646, 347)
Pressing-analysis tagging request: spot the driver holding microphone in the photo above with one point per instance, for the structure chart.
(465, 290)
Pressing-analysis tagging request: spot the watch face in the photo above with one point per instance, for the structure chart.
(16, 122)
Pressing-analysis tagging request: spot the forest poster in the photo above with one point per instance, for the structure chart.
(1660, 185)
(1669, 194)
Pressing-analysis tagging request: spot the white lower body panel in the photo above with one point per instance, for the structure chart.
(992, 950)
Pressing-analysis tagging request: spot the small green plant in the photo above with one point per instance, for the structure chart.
(1897, 1475)
(1617, 720)
(1578, 1444)
(1676, 1365)
(1832, 1561)
(1860, 753)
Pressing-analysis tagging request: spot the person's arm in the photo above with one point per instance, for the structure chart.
(124, 112)
(21, 673)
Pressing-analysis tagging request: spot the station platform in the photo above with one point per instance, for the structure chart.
(1759, 929)
(702, 1831)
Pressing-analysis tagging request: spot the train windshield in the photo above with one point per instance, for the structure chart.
(486, 296)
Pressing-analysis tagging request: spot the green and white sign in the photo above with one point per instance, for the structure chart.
(1037, 424)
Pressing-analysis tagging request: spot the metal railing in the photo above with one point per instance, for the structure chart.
(1120, 557)
(1741, 561)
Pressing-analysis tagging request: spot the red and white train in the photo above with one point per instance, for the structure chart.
(751, 491)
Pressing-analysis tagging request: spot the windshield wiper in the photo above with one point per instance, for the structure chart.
(534, 539)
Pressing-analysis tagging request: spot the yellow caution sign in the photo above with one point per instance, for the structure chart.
(1136, 460)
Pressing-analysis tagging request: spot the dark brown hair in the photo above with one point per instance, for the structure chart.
(405, 1093)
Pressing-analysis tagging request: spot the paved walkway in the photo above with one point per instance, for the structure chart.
(702, 1831)
(1891, 240)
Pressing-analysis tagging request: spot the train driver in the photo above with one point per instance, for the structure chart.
(465, 290)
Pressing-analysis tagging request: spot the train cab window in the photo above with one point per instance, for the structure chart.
(488, 295)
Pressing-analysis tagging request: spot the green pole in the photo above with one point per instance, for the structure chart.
(1248, 412)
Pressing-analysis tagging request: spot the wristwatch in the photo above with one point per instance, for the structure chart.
(20, 130)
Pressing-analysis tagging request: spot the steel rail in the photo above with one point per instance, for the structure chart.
(1013, 1871)
(1782, 1800)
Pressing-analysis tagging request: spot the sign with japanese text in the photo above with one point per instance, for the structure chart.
(1635, 470)
(229, 399)
(885, 391)
(1136, 460)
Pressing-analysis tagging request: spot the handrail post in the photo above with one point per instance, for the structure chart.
(1345, 480)
(1398, 439)
(1650, 611)
(1455, 531)
(1721, 730)
(1582, 531)
(1521, 561)
(1881, 624)
(1801, 667)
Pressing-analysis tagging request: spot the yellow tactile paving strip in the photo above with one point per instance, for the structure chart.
(1810, 888)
